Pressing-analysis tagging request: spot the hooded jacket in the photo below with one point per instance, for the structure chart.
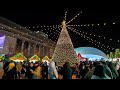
(53, 74)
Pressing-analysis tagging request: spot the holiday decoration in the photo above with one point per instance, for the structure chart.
(18, 57)
(1, 57)
(46, 58)
(34, 58)
(64, 50)
(117, 53)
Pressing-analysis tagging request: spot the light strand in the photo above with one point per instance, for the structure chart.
(65, 15)
(88, 38)
(94, 35)
(88, 25)
(74, 18)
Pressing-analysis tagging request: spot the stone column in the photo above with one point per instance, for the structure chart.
(39, 51)
(51, 52)
(22, 47)
(42, 51)
(35, 48)
(29, 47)
(47, 51)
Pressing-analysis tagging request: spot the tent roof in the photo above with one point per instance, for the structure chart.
(18, 56)
(45, 58)
(90, 51)
(34, 57)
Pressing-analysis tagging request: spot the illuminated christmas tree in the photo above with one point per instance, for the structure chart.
(64, 50)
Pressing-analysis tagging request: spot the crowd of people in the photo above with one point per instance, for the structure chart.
(43, 70)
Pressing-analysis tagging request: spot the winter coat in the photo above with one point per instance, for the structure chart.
(18, 67)
(89, 74)
(37, 73)
(96, 77)
(53, 74)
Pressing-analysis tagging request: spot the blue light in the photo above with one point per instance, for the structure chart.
(2, 40)
(91, 53)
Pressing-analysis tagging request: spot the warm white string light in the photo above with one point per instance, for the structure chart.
(85, 25)
(87, 37)
(32, 37)
(53, 33)
(37, 27)
(57, 26)
(65, 15)
(74, 18)
(93, 35)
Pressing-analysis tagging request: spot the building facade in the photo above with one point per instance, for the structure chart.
(17, 39)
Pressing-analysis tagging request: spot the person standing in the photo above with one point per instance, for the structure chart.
(67, 71)
(45, 70)
(53, 74)
(37, 73)
(18, 70)
(11, 71)
(99, 73)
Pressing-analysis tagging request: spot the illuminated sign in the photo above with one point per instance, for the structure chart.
(2, 40)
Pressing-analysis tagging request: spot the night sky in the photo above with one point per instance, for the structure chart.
(41, 17)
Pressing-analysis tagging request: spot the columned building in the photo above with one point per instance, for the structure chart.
(17, 39)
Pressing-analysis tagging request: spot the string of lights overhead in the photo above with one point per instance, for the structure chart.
(89, 25)
(53, 31)
(80, 25)
(56, 29)
(65, 15)
(91, 40)
(24, 34)
(53, 28)
(73, 18)
(105, 38)
(85, 33)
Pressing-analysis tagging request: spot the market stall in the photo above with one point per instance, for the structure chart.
(46, 58)
(18, 58)
(34, 58)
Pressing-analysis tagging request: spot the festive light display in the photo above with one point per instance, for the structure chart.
(91, 53)
(46, 58)
(80, 25)
(18, 57)
(57, 29)
(115, 54)
(65, 15)
(74, 18)
(88, 25)
(34, 58)
(64, 50)
(88, 38)
(93, 35)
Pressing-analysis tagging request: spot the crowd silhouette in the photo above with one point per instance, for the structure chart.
(43, 70)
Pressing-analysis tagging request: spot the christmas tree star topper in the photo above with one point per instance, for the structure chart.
(64, 23)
